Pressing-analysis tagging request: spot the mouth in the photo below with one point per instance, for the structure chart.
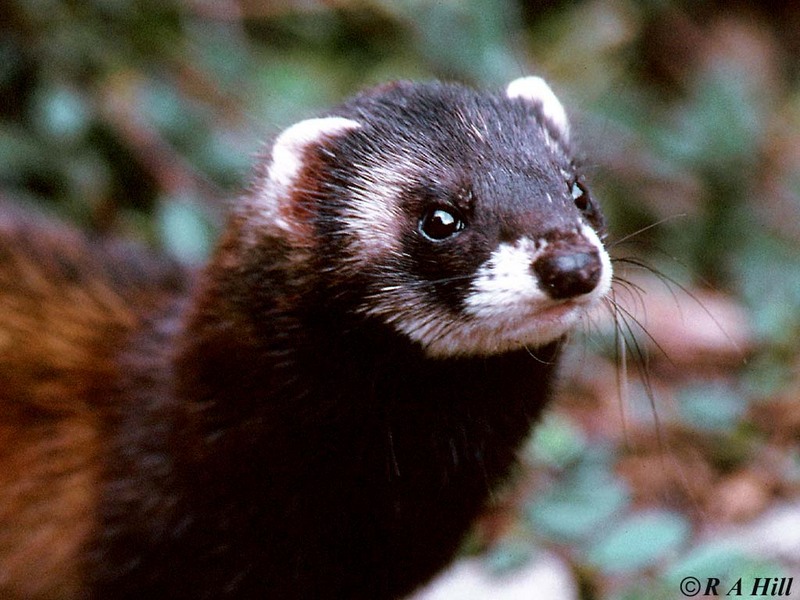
(557, 311)
(563, 313)
(549, 323)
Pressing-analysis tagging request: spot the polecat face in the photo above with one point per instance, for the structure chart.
(457, 217)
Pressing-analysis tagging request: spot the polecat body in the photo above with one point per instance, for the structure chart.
(327, 410)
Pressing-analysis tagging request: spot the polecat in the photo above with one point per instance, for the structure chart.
(324, 412)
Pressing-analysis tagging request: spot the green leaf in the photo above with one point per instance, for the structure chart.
(172, 113)
(574, 509)
(639, 541)
(62, 113)
(716, 557)
(556, 442)
(712, 406)
(184, 230)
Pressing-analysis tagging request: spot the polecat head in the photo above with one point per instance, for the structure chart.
(455, 217)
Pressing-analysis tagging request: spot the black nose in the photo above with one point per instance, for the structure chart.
(568, 273)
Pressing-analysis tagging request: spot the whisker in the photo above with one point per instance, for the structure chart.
(628, 315)
(658, 223)
(620, 359)
(634, 291)
(668, 280)
(536, 358)
(624, 318)
(626, 340)
(423, 284)
(629, 284)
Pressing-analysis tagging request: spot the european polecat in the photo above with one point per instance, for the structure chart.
(327, 407)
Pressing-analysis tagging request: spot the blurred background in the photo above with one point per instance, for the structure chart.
(674, 449)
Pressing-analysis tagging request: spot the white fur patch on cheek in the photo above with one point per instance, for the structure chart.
(536, 91)
(505, 280)
(289, 148)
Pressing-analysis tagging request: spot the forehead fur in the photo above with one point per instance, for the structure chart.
(456, 122)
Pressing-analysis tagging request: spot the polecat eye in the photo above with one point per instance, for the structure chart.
(438, 223)
(580, 196)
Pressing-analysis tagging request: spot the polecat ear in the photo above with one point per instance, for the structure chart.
(290, 147)
(536, 91)
(277, 198)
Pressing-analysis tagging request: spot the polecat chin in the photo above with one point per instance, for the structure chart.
(326, 409)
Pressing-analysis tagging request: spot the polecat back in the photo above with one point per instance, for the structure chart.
(326, 412)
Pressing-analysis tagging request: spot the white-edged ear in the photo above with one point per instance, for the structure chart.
(289, 148)
(273, 198)
(536, 90)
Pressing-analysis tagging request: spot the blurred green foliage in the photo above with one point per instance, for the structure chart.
(140, 117)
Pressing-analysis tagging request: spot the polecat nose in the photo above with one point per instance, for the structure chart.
(568, 273)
